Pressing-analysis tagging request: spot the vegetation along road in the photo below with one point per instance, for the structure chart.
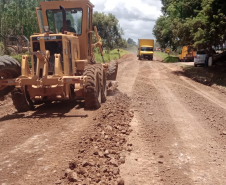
(159, 128)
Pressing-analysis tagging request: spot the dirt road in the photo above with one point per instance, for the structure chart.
(178, 137)
(179, 127)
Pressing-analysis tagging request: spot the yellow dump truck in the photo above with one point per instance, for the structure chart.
(145, 49)
(187, 54)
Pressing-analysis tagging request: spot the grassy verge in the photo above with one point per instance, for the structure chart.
(112, 55)
(166, 58)
(18, 57)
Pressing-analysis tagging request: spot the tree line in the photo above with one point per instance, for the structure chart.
(18, 17)
(201, 23)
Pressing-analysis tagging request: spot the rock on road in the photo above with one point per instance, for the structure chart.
(179, 132)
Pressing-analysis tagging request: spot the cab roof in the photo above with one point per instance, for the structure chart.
(64, 3)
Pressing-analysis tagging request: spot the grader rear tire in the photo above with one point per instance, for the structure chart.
(92, 90)
(103, 82)
(112, 70)
(104, 88)
(9, 68)
(21, 100)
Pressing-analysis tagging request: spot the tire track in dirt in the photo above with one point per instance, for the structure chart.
(205, 168)
(37, 145)
(194, 138)
(127, 74)
(151, 139)
(174, 144)
(210, 97)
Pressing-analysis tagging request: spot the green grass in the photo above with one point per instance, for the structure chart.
(112, 55)
(166, 58)
(18, 57)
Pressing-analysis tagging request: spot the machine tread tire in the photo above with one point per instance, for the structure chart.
(9, 68)
(112, 70)
(91, 91)
(103, 83)
(20, 101)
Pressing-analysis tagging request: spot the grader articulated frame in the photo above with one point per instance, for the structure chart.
(62, 59)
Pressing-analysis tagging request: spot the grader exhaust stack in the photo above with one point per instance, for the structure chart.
(62, 59)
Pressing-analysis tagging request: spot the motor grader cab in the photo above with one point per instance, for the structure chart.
(62, 58)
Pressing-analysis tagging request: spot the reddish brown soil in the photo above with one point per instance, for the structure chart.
(176, 135)
(179, 127)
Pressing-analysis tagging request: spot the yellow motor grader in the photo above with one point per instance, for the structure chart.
(62, 60)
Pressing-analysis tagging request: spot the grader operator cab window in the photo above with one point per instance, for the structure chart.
(73, 20)
(146, 49)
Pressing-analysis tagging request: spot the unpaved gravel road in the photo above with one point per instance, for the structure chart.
(179, 127)
(178, 137)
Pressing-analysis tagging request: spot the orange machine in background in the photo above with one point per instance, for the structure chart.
(187, 54)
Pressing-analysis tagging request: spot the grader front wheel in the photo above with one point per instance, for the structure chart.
(112, 70)
(21, 100)
(103, 82)
(103, 88)
(92, 90)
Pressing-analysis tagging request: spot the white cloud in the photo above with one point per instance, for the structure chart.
(136, 17)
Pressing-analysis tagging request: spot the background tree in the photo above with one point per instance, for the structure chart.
(131, 41)
(163, 32)
(200, 23)
(109, 30)
(18, 17)
(171, 29)
(208, 27)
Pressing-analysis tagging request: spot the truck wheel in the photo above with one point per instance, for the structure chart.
(9, 68)
(103, 82)
(21, 100)
(92, 89)
(139, 58)
(112, 70)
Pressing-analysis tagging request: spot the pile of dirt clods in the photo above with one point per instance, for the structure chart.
(103, 149)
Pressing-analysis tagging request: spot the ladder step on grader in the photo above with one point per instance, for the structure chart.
(62, 59)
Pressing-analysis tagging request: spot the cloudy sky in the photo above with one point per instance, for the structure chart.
(136, 17)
